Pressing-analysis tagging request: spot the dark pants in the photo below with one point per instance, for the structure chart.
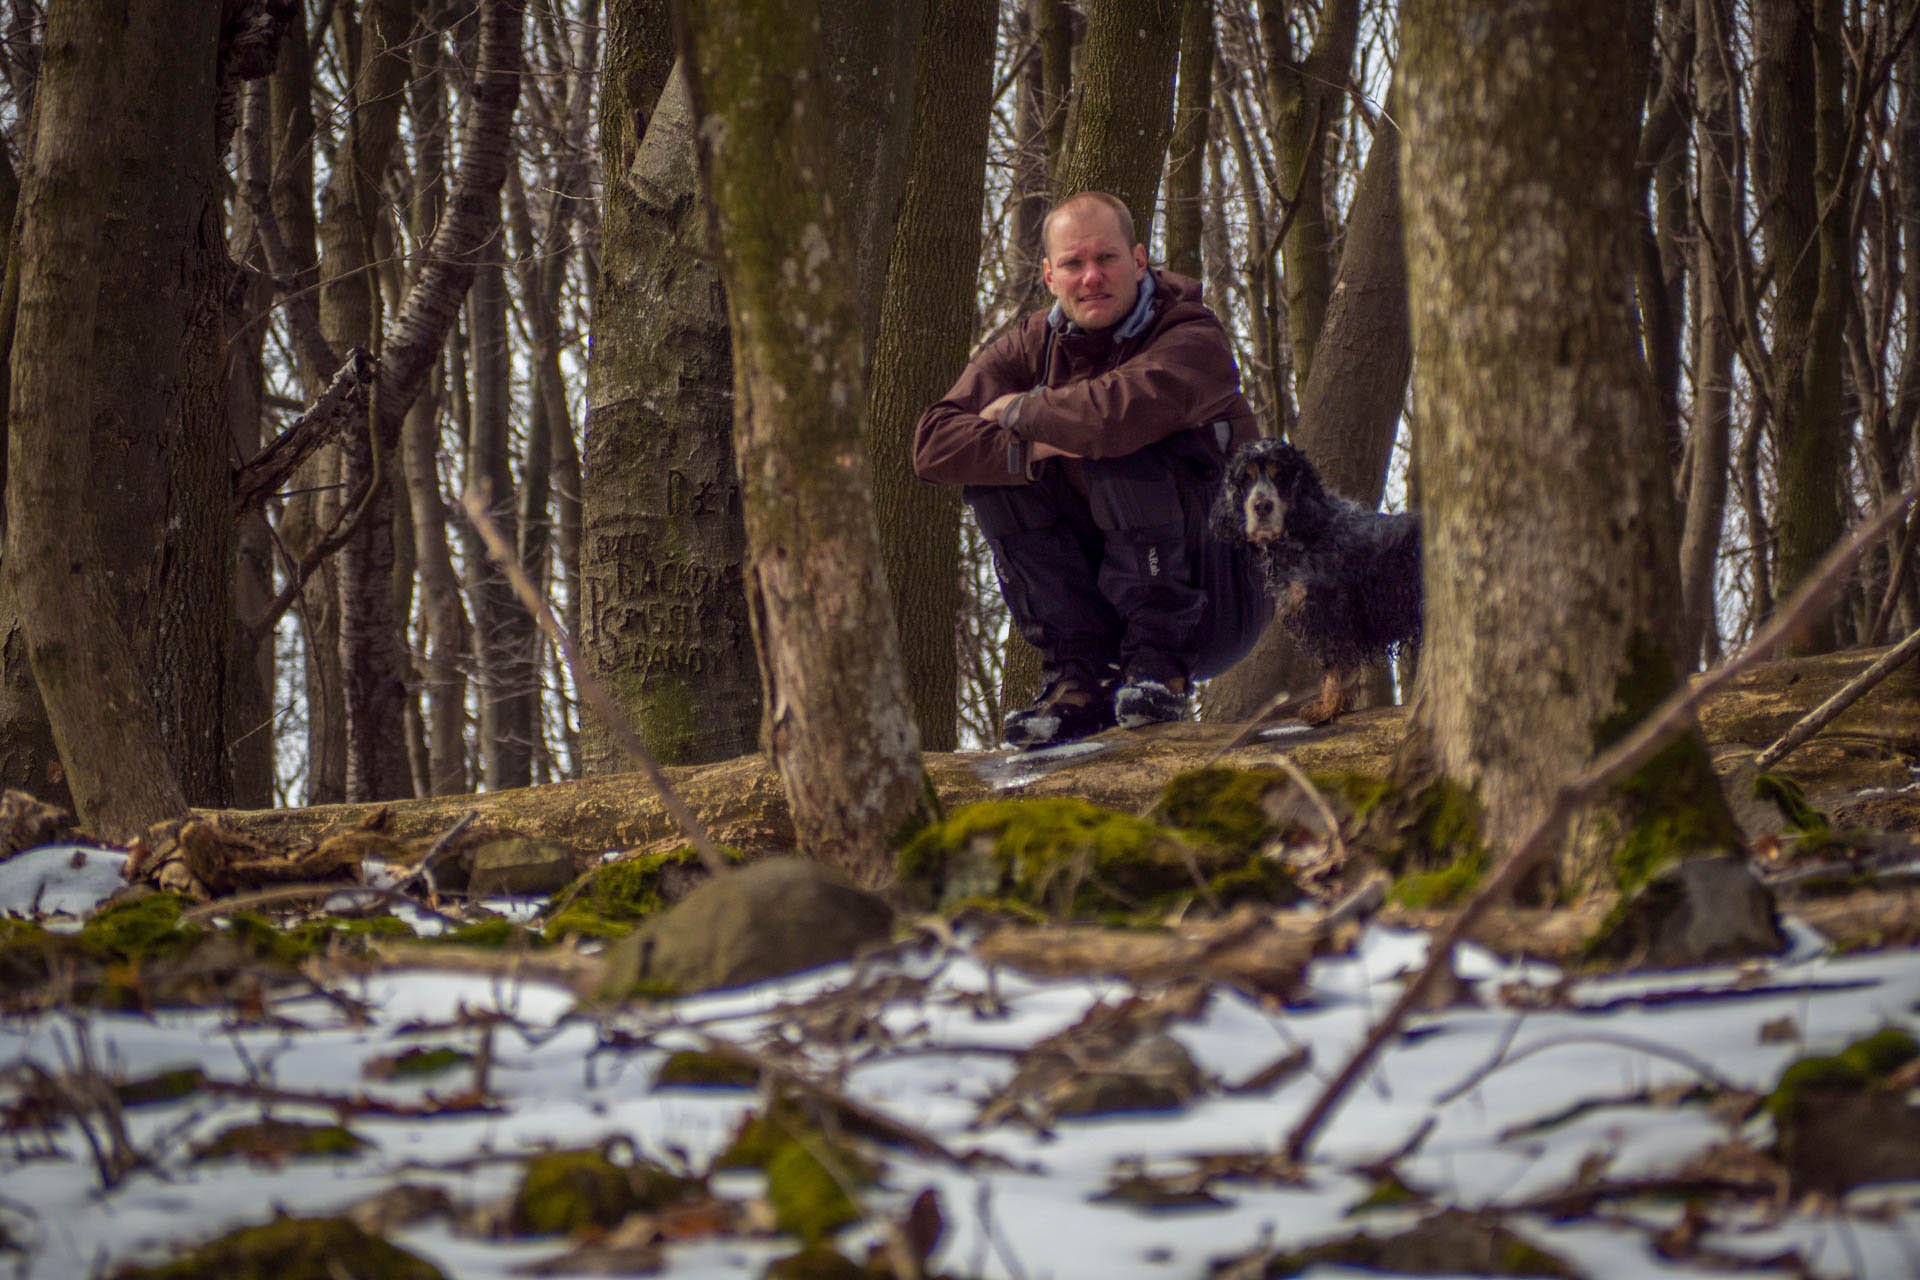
(1125, 573)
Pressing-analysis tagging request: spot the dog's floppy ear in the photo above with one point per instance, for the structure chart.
(1308, 508)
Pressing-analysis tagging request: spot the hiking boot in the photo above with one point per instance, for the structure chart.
(1141, 702)
(1069, 708)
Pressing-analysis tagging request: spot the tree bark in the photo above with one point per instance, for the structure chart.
(928, 317)
(1122, 115)
(1802, 181)
(94, 97)
(1306, 100)
(1716, 96)
(841, 738)
(1187, 152)
(664, 617)
(1548, 510)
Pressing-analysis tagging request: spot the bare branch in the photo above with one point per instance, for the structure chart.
(339, 406)
(1653, 733)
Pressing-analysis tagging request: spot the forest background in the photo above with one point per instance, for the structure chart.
(285, 277)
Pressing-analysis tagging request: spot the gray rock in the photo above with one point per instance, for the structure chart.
(515, 865)
(1709, 910)
(770, 918)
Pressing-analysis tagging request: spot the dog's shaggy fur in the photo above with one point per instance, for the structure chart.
(1345, 580)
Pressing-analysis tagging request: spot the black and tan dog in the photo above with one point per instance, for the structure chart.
(1345, 581)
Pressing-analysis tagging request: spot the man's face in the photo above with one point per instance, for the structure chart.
(1090, 268)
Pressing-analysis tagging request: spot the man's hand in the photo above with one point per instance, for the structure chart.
(995, 411)
(1043, 451)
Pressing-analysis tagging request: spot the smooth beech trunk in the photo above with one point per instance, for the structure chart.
(839, 731)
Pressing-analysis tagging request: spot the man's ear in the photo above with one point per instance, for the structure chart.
(1139, 261)
(1046, 272)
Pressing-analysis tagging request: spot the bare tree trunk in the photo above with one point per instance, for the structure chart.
(1306, 101)
(1549, 620)
(89, 112)
(1802, 182)
(1187, 152)
(928, 316)
(1122, 115)
(841, 737)
(1716, 117)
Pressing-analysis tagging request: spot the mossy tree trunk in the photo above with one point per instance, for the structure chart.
(1307, 100)
(1549, 536)
(927, 319)
(1123, 109)
(664, 617)
(1351, 405)
(839, 730)
(1802, 177)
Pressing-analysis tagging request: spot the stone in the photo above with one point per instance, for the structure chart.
(768, 919)
(1710, 910)
(514, 866)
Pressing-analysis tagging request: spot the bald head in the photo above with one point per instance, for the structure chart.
(1084, 204)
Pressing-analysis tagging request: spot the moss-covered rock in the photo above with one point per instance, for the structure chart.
(774, 917)
(815, 1263)
(1233, 809)
(1837, 1123)
(142, 928)
(161, 1087)
(271, 1141)
(809, 1175)
(697, 1069)
(608, 901)
(295, 944)
(293, 1249)
(1073, 859)
(567, 1191)
(1452, 1242)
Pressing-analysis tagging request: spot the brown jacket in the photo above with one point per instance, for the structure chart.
(1094, 395)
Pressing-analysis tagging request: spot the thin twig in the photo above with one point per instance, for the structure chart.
(1851, 692)
(476, 502)
(1653, 733)
(1318, 800)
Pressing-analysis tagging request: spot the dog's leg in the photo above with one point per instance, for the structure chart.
(1337, 691)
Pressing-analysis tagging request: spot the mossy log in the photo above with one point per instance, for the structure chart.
(1872, 745)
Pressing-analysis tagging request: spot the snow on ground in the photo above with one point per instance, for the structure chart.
(1515, 1101)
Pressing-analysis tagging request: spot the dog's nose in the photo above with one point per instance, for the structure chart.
(1263, 508)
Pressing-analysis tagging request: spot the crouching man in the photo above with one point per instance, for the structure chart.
(1091, 440)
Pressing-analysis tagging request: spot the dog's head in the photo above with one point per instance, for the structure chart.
(1270, 492)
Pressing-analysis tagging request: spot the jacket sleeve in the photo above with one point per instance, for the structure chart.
(1186, 377)
(953, 444)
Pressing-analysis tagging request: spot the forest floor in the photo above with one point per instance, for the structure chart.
(942, 1106)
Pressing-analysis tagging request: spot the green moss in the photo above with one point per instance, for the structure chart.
(1388, 1192)
(275, 1140)
(293, 1249)
(695, 1069)
(609, 900)
(569, 1191)
(1882, 1053)
(1070, 859)
(1812, 831)
(1224, 807)
(1671, 806)
(492, 935)
(165, 1086)
(1859, 1066)
(1360, 792)
(145, 928)
(1445, 887)
(809, 1195)
(419, 1061)
(817, 1262)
